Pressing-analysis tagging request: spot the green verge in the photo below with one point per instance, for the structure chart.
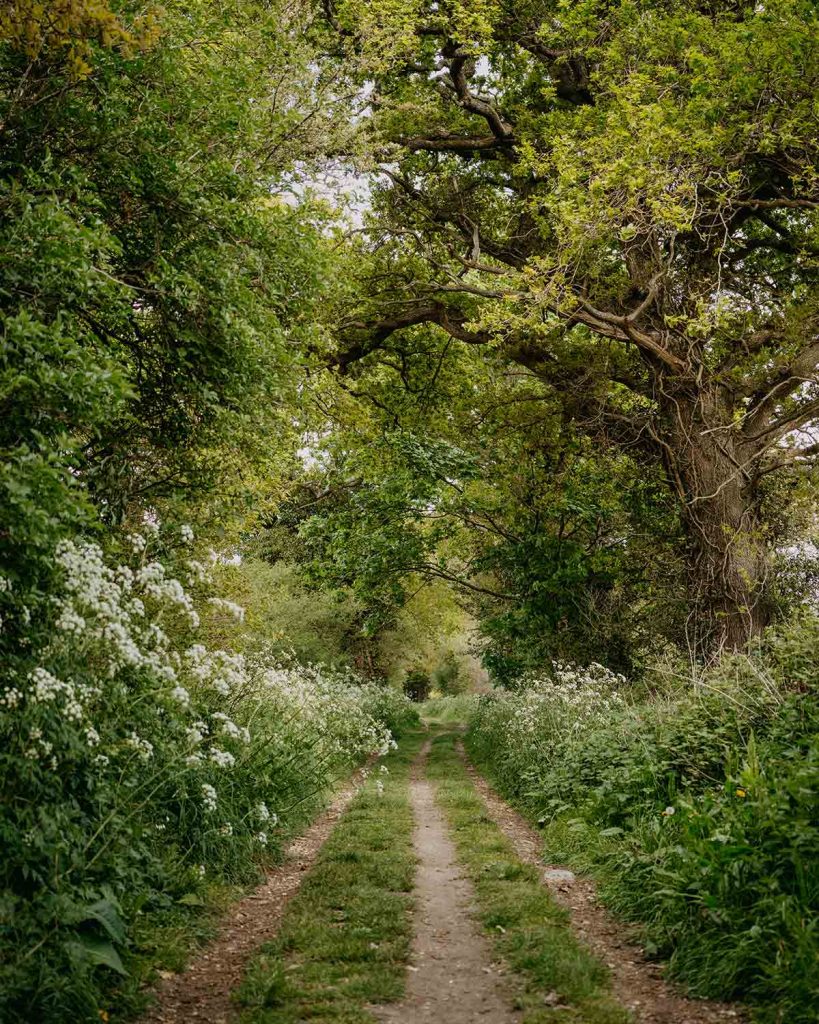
(344, 940)
(530, 931)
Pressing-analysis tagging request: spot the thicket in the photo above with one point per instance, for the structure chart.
(697, 806)
(157, 281)
(141, 767)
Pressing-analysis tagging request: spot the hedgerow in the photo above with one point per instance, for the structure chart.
(698, 810)
(141, 767)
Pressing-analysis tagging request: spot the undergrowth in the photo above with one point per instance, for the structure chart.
(530, 931)
(697, 807)
(147, 776)
(345, 937)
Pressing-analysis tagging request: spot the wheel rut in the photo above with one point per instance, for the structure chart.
(452, 976)
(636, 982)
(203, 991)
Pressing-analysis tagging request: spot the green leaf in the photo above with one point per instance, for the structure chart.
(191, 899)
(105, 912)
(90, 949)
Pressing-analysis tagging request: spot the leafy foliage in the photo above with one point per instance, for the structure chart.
(152, 282)
(619, 201)
(140, 766)
(697, 809)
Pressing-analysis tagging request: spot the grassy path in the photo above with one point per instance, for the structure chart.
(453, 977)
(426, 903)
(560, 979)
(345, 937)
(351, 950)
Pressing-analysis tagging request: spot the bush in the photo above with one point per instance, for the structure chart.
(417, 685)
(447, 677)
(698, 810)
(140, 767)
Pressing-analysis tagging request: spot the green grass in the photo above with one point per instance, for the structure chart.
(345, 937)
(531, 932)
(452, 710)
(167, 938)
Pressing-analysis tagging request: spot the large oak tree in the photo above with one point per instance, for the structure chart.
(621, 196)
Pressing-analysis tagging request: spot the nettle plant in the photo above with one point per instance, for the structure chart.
(138, 762)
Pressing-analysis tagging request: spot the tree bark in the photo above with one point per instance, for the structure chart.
(728, 551)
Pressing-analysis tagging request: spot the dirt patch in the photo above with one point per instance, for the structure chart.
(636, 982)
(452, 976)
(202, 991)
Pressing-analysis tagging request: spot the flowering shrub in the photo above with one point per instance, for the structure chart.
(139, 765)
(698, 810)
(532, 727)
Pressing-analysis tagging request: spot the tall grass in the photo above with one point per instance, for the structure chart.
(697, 807)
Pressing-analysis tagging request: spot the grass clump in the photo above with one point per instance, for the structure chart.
(531, 932)
(345, 938)
(696, 807)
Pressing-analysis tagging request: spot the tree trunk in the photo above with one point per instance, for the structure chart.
(728, 552)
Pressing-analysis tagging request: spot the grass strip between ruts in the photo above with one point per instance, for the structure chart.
(345, 937)
(562, 981)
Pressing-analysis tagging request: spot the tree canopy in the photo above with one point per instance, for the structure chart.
(618, 201)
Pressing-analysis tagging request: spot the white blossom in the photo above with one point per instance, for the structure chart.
(221, 604)
(221, 758)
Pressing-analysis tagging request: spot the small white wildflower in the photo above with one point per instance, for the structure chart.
(69, 621)
(384, 770)
(73, 710)
(196, 732)
(222, 758)
(262, 812)
(186, 533)
(136, 542)
(201, 870)
(209, 797)
(261, 838)
(11, 698)
(228, 727)
(144, 748)
(92, 737)
(221, 604)
(379, 787)
(150, 522)
(668, 812)
(226, 829)
(5, 584)
(46, 686)
(180, 694)
(197, 572)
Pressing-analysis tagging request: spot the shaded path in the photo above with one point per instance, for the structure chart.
(637, 983)
(452, 978)
(202, 992)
